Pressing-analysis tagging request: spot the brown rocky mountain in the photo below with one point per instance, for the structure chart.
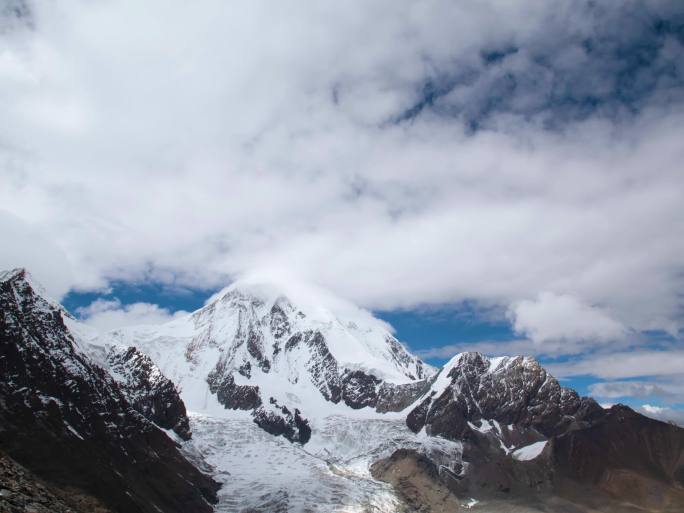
(69, 422)
(531, 445)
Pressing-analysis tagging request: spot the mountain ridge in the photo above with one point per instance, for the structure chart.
(67, 419)
(499, 430)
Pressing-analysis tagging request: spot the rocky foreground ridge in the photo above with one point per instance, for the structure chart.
(69, 422)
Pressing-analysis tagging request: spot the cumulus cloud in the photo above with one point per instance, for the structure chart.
(557, 317)
(519, 154)
(110, 314)
(665, 414)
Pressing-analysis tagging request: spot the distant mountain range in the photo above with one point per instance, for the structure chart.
(178, 418)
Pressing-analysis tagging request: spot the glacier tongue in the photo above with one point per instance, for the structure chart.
(263, 473)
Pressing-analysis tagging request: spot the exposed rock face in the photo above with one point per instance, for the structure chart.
(68, 421)
(414, 368)
(393, 397)
(416, 480)
(417, 417)
(231, 395)
(509, 390)
(622, 462)
(529, 444)
(280, 421)
(427, 488)
(323, 370)
(360, 389)
(279, 323)
(147, 389)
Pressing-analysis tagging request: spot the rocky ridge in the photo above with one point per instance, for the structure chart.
(147, 389)
(472, 388)
(67, 420)
(530, 444)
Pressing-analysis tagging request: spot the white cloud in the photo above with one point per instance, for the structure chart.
(613, 389)
(110, 314)
(26, 245)
(553, 317)
(488, 347)
(623, 364)
(659, 374)
(663, 413)
(654, 410)
(192, 144)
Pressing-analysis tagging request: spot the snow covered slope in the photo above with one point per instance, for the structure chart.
(287, 354)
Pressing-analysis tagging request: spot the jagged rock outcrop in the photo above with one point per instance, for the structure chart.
(147, 389)
(280, 421)
(619, 462)
(509, 390)
(320, 365)
(359, 389)
(68, 421)
(392, 397)
(231, 395)
(529, 444)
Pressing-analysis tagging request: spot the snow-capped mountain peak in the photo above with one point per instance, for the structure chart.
(21, 280)
(252, 321)
(509, 390)
(280, 350)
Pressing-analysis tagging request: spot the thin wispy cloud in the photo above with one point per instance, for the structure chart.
(615, 389)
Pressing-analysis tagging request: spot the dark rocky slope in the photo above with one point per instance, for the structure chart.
(589, 459)
(21, 491)
(625, 456)
(147, 389)
(69, 422)
(512, 391)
